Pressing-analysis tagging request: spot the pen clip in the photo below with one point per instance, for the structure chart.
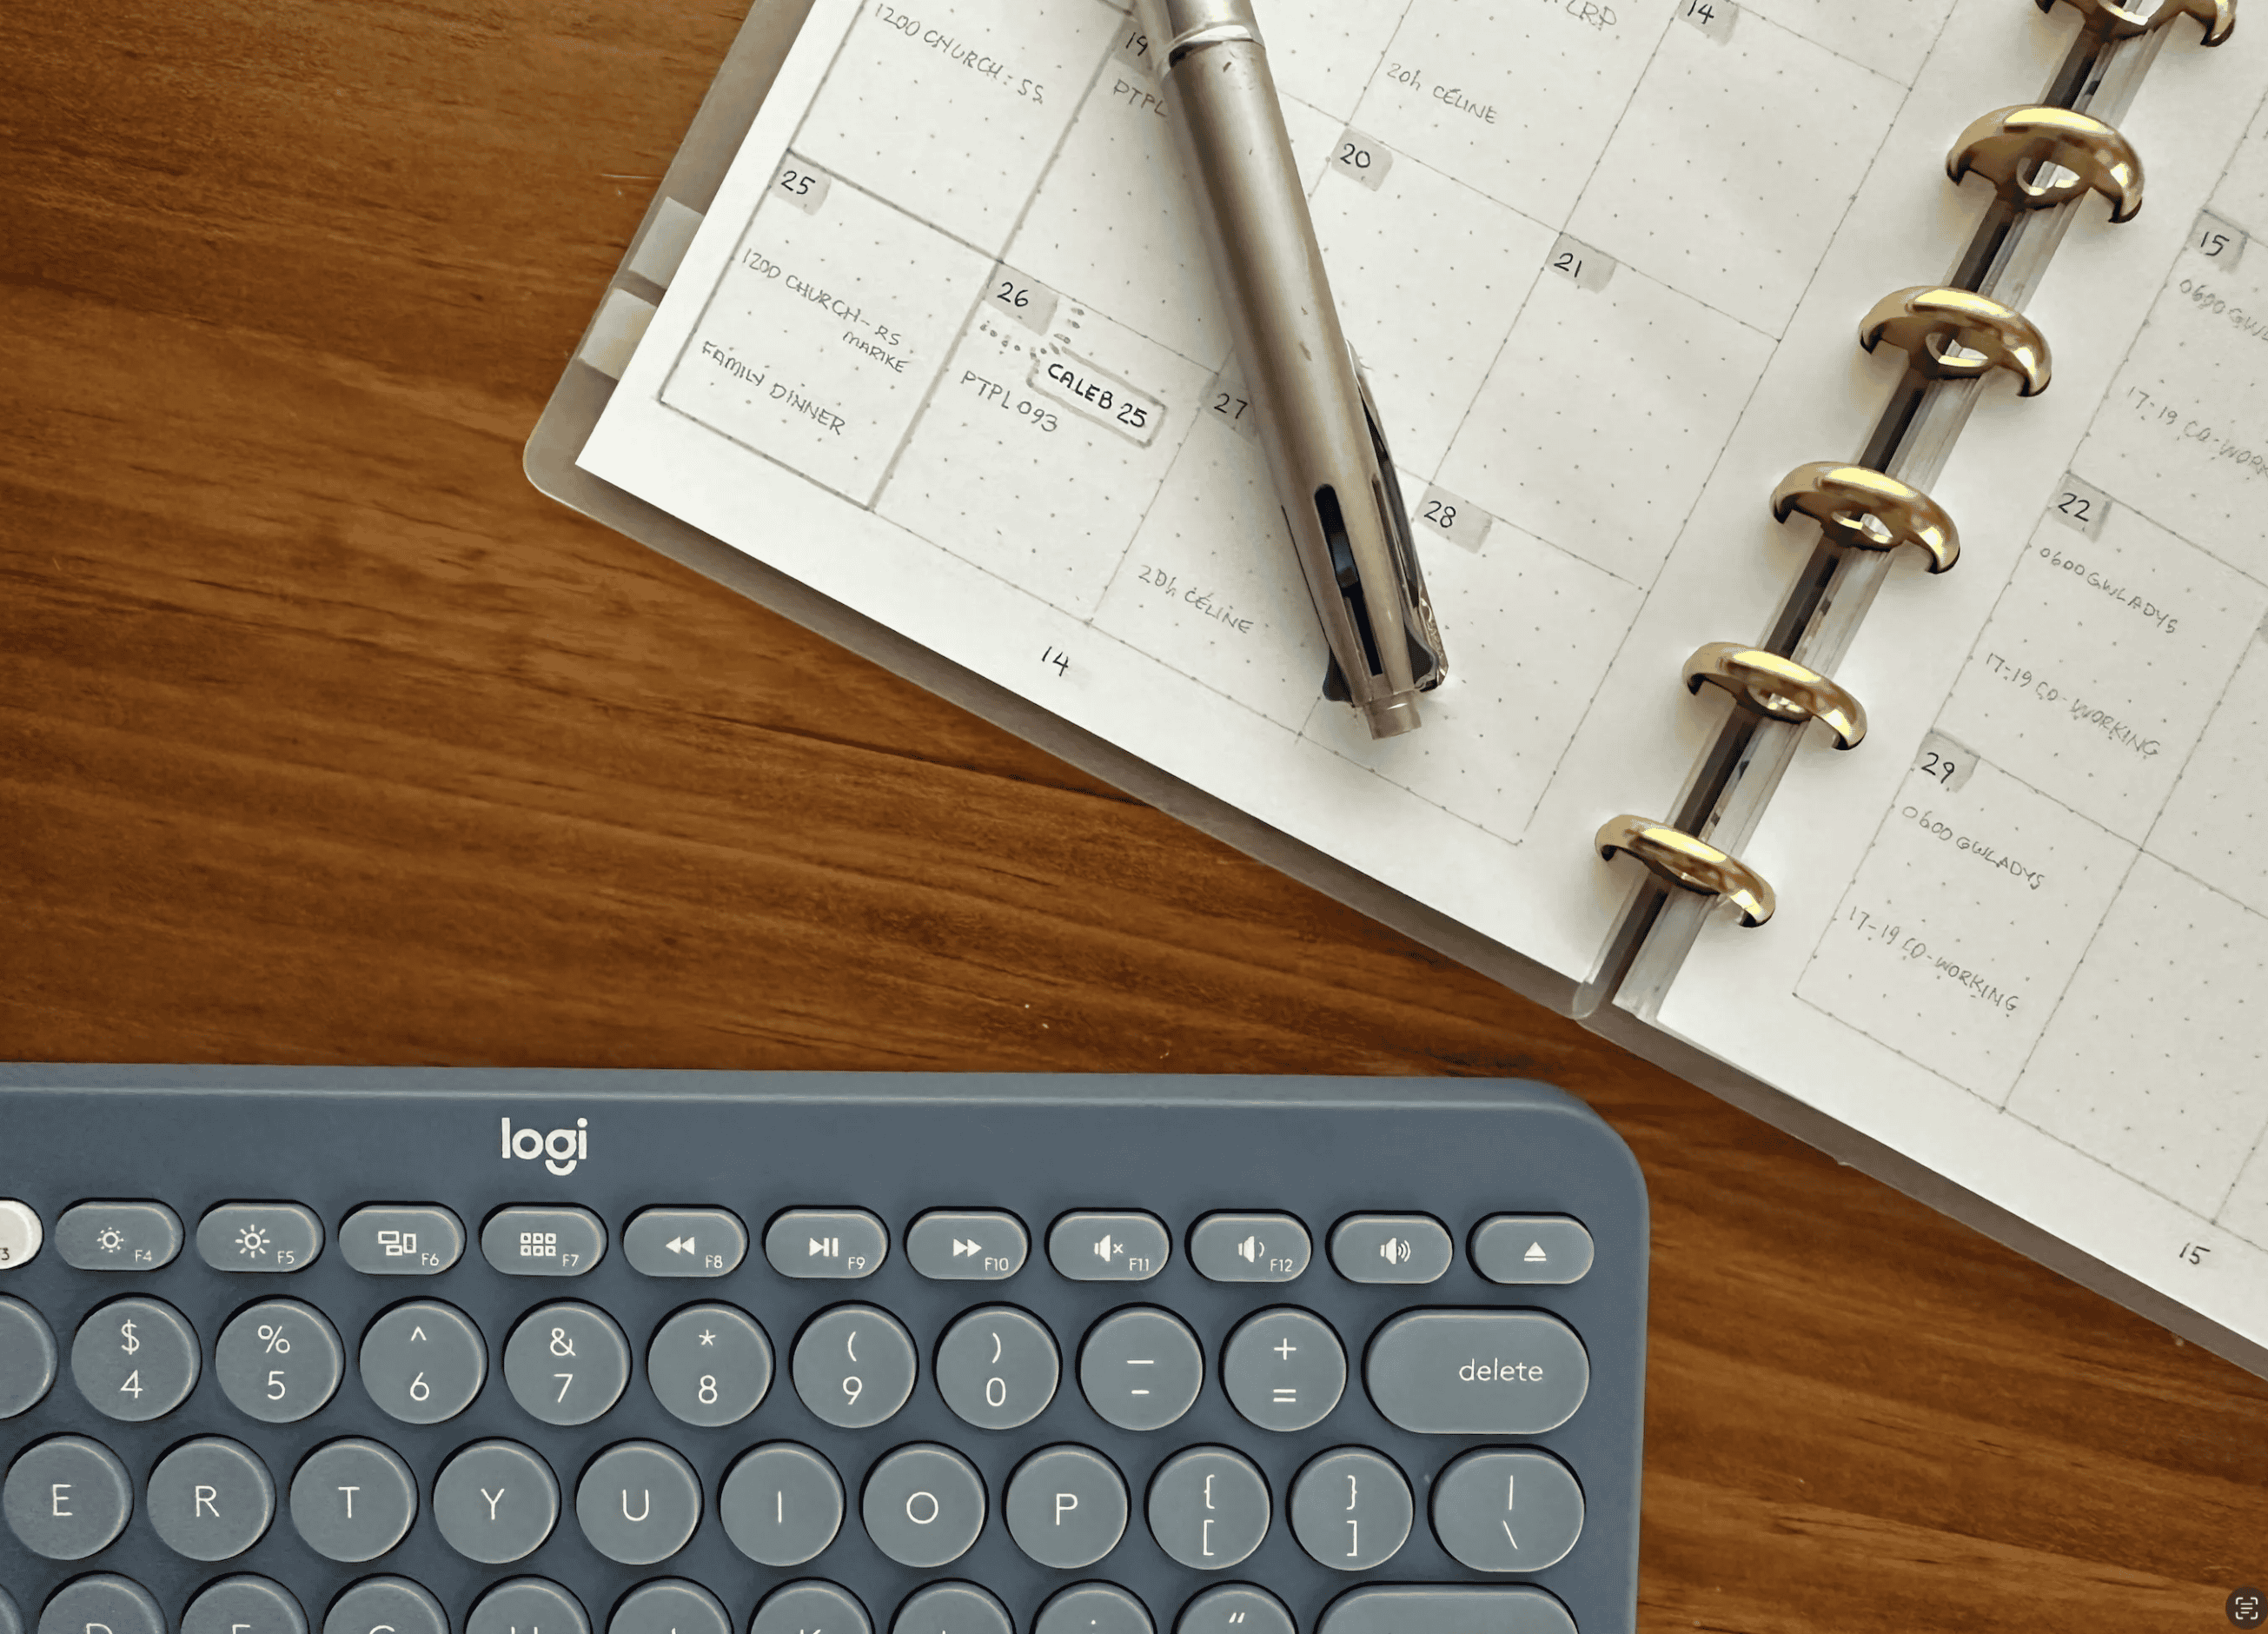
(1428, 660)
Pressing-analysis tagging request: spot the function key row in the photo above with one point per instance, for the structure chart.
(997, 1367)
(837, 1244)
(783, 1503)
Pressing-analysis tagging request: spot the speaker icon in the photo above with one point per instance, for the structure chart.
(1395, 1250)
(1104, 1247)
(1252, 1247)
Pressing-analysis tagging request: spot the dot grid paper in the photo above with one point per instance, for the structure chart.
(964, 296)
(946, 347)
(2046, 972)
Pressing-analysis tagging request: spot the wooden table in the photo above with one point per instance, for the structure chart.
(324, 737)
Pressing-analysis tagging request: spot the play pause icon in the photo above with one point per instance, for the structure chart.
(830, 1246)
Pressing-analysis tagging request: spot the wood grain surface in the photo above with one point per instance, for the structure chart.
(324, 737)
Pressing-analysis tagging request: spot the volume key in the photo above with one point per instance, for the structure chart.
(1093, 1247)
(1391, 1248)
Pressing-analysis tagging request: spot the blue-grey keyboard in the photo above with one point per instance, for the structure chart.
(397, 1352)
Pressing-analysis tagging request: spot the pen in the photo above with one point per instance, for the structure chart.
(1317, 423)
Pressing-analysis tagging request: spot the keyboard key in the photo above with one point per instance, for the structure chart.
(135, 1359)
(259, 1237)
(423, 1361)
(567, 1364)
(27, 1358)
(1237, 1608)
(685, 1242)
(847, 1243)
(402, 1239)
(496, 1502)
(814, 1606)
(1093, 1247)
(1523, 1248)
(1390, 1248)
(1094, 1608)
(1284, 1369)
(709, 1365)
(781, 1504)
(1400, 1609)
(966, 1245)
(952, 1608)
(997, 1367)
(386, 1605)
(12, 1621)
(1507, 1511)
(1476, 1372)
(1249, 1248)
(1208, 1508)
(244, 1604)
(352, 1500)
(1067, 1507)
(105, 1601)
(853, 1366)
(638, 1503)
(1140, 1369)
(535, 1604)
(20, 1233)
(667, 1606)
(118, 1236)
(278, 1361)
(67, 1497)
(530, 1241)
(210, 1498)
(1351, 1508)
(924, 1506)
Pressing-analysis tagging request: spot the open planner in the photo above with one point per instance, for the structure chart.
(919, 345)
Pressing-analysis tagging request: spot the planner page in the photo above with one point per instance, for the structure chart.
(946, 347)
(2024, 928)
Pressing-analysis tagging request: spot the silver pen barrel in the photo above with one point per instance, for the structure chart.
(1325, 450)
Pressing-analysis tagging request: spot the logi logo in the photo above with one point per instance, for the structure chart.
(561, 1150)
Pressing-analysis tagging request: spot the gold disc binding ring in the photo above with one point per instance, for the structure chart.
(1926, 322)
(2013, 143)
(2122, 19)
(1864, 509)
(1677, 859)
(1778, 688)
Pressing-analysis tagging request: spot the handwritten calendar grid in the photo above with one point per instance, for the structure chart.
(2047, 918)
(1138, 549)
